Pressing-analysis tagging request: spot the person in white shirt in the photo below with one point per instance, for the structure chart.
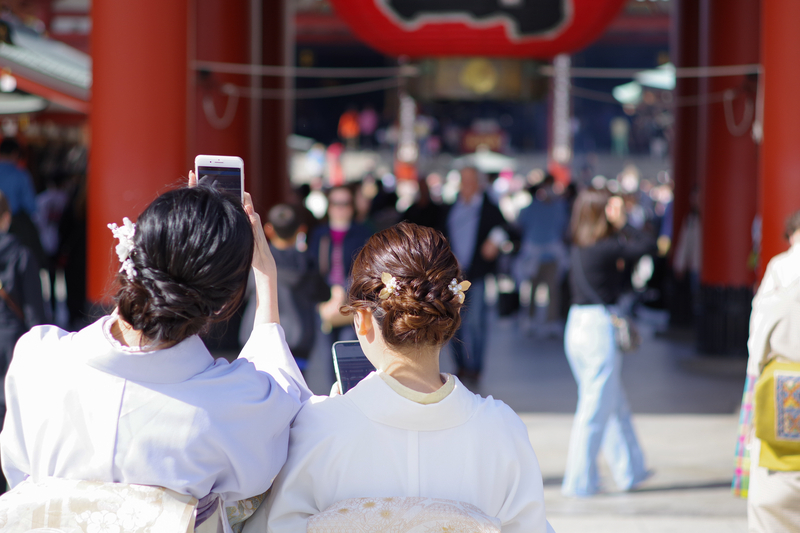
(136, 397)
(407, 430)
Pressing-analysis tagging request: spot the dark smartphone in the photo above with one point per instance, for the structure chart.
(350, 363)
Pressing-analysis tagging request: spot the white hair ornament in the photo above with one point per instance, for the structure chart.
(124, 249)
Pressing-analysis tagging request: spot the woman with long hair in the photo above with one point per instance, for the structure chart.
(602, 245)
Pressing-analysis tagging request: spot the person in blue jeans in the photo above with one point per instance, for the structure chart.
(603, 243)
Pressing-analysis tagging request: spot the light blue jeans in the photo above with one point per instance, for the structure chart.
(603, 418)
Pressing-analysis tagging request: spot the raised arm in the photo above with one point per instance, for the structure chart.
(267, 348)
(264, 269)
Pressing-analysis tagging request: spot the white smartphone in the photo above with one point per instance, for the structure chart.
(225, 172)
(350, 363)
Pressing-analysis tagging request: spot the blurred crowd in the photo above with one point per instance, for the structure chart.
(43, 184)
(510, 233)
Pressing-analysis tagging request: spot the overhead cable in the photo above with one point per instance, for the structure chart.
(404, 71)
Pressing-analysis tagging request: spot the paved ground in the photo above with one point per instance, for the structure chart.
(685, 412)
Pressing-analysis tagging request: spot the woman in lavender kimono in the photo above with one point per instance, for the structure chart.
(136, 397)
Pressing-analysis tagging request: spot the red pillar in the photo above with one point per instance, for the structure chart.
(780, 156)
(729, 170)
(684, 52)
(273, 186)
(218, 122)
(684, 44)
(138, 119)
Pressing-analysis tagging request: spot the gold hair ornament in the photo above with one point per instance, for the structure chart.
(459, 288)
(390, 285)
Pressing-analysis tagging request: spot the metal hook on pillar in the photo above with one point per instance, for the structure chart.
(210, 111)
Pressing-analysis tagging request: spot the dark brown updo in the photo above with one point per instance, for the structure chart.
(423, 310)
(193, 249)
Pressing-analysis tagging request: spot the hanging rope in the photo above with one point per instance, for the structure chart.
(683, 72)
(737, 130)
(210, 111)
(305, 72)
(685, 101)
(758, 120)
(317, 92)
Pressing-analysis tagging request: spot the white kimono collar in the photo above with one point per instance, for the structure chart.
(376, 399)
(171, 365)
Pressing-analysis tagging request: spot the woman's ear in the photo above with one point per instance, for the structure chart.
(362, 321)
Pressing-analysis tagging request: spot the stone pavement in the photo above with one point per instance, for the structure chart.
(685, 413)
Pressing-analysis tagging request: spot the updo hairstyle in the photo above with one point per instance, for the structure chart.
(422, 310)
(193, 249)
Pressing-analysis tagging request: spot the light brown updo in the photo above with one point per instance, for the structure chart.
(423, 310)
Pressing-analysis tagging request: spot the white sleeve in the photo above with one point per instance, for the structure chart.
(767, 297)
(268, 351)
(292, 500)
(523, 510)
(13, 452)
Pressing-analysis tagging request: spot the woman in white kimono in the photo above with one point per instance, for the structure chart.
(136, 397)
(407, 430)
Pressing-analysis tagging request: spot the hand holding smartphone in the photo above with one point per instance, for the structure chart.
(350, 363)
(225, 172)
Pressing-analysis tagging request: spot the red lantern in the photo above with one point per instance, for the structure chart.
(505, 28)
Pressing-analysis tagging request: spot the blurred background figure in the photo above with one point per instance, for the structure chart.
(349, 128)
(21, 304)
(602, 245)
(688, 259)
(50, 205)
(475, 228)
(300, 289)
(15, 182)
(620, 132)
(333, 245)
(17, 185)
(543, 258)
(367, 124)
(424, 211)
(72, 252)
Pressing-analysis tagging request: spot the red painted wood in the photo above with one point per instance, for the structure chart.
(138, 119)
(730, 164)
(684, 42)
(780, 156)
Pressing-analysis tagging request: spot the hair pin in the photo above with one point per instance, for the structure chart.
(124, 248)
(390, 285)
(459, 288)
